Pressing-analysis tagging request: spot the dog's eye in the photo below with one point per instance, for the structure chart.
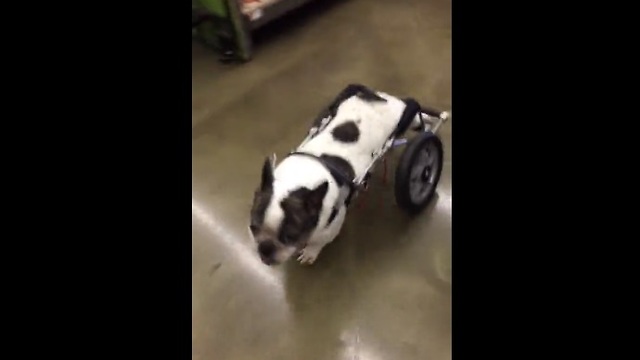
(253, 228)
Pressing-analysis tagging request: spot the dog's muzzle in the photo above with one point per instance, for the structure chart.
(267, 251)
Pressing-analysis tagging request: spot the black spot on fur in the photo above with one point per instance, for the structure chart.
(301, 213)
(347, 132)
(341, 164)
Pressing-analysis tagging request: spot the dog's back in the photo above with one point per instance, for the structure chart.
(359, 128)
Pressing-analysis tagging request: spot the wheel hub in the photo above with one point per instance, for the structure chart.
(426, 173)
(423, 174)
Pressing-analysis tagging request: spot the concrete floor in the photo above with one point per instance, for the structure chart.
(382, 290)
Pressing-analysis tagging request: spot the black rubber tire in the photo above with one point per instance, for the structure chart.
(405, 166)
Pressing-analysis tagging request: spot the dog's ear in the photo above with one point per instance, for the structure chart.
(267, 174)
(273, 159)
(314, 198)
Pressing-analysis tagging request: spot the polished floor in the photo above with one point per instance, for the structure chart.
(382, 290)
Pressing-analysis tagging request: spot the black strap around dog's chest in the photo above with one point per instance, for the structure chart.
(341, 178)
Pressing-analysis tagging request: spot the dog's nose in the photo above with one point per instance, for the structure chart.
(266, 249)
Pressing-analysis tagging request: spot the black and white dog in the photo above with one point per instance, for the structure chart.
(301, 203)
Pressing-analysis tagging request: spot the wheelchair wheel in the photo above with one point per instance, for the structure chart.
(418, 172)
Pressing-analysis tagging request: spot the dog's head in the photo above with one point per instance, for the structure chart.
(282, 221)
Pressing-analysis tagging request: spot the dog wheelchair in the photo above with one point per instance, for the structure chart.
(418, 171)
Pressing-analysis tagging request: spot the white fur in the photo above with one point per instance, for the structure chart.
(376, 121)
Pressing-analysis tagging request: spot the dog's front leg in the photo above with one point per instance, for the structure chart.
(310, 253)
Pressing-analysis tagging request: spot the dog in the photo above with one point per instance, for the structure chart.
(300, 204)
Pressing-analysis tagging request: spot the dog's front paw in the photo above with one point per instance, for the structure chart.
(308, 255)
